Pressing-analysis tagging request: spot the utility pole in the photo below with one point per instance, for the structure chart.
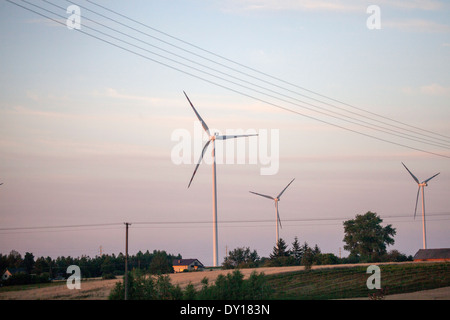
(126, 259)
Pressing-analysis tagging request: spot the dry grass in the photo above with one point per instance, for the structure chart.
(100, 289)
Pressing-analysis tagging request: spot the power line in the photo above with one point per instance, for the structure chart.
(257, 71)
(204, 222)
(260, 72)
(296, 101)
(61, 226)
(407, 136)
(226, 87)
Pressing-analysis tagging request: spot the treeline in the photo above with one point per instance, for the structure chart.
(298, 255)
(105, 265)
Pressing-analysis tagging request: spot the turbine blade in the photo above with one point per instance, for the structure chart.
(417, 200)
(278, 216)
(285, 188)
(414, 177)
(235, 136)
(431, 178)
(199, 161)
(198, 116)
(262, 195)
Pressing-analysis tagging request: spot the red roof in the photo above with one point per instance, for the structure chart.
(185, 262)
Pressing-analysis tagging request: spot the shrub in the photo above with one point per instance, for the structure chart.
(229, 287)
(108, 276)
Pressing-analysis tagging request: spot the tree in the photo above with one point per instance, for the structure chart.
(107, 266)
(189, 292)
(296, 251)
(241, 258)
(365, 238)
(28, 262)
(3, 262)
(41, 266)
(161, 263)
(308, 257)
(14, 259)
(280, 250)
(280, 256)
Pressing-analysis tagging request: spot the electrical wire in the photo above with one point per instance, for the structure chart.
(223, 79)
(259, 72)
(202, 222)
(296, 101)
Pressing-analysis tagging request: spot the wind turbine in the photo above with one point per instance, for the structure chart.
(422, 185)
(212, 138)
(277, 199)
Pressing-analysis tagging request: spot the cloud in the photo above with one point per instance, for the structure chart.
(435, 90)
(417, 25)
(429, 5)
(112, 93)
(330, 5)
(294, 5)
(57, 22)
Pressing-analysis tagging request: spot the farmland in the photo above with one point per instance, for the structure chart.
(342, 283)
(321, 282)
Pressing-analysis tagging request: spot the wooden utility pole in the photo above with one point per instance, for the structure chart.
(126, 259)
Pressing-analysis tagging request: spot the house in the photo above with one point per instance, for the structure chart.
(11, 271)
(442, 254)
(180, 265)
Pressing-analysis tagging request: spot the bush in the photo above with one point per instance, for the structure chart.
(25, 278)
(234, 287)
(144, 287)
(229, 287)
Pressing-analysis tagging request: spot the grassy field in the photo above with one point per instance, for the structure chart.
(322, 282)
(342, 283)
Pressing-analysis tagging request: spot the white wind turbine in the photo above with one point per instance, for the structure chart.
(277, 199)
(212, 138)
(422, 185)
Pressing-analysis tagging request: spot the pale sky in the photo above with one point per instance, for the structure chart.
(86, 127)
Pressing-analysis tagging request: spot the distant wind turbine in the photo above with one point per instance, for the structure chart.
(422, 185)
(212, 138)
(277, 199)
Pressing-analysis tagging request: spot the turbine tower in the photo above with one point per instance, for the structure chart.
(276, 200)
(212, 138)
(422, 185)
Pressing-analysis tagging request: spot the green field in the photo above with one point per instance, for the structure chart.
(350, 282)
